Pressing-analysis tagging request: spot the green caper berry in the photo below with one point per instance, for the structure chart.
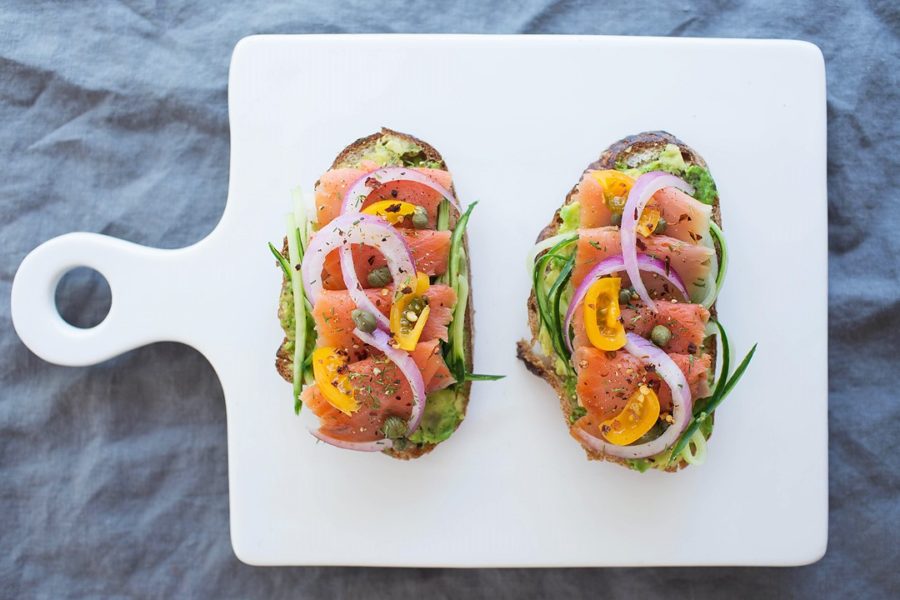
(660, 226)
(624, 296)
(364, 320)
(379, 277)
(420, 218)
(616, 219)
(394, 427)
(660, 335)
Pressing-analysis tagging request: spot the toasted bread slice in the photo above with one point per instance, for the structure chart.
(632, 151)
(348, 157)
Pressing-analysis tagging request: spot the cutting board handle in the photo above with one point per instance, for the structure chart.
(144, 308)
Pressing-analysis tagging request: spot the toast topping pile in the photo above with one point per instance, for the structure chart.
(622, 309)
(378, 348)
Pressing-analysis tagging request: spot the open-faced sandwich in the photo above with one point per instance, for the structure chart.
(623, 306)
(375, 301)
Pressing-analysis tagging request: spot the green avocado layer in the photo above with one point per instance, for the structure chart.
(395, 151)
(671, 161)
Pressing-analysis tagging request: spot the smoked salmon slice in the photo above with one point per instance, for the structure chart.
(430, 361)
(334, 324)
(687, 219)
(686, 323)
(333, 185)
(692, 262)
(430, 251)
(607, 379)
(381, 390)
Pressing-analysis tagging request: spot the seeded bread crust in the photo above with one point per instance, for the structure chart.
(348, 157)
(633, 151)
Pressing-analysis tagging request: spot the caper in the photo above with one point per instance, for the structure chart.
(364, 320)
(420, 218)
(379, 277)
(625, 296)
(660, 335)
(616, 219)
(394, 427)
(660, 226)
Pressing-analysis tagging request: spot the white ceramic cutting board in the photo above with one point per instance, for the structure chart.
(517, 119)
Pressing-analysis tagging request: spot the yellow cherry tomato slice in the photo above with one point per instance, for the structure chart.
(648, 221)
(602, 313)
(330, 371)
(637, 418)
(407, 322)
(392, 211)
(616, 186)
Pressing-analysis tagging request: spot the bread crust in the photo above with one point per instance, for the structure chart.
(350, 156)
(633, 151)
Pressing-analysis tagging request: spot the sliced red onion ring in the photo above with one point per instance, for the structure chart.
(668, 371)
(357, 229)
(407, 366)
(614, 264)
(373, 446)
(360, 190)
(643, 189)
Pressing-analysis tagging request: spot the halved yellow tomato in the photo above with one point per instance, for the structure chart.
(392, 211)
(409, 312)
(602, 313)
(330, 371)
(639, 415)
(616, 186)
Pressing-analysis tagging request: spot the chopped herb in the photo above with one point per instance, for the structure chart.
(577, 413)
(480, 377)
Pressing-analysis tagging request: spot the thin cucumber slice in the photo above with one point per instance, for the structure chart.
(458, 331)
(698, 455)
(723, 266)
(548, 306)
(295, 253)
(549, 243)
(719, 237)
(554, 296)
(443, 224)
(456, 243)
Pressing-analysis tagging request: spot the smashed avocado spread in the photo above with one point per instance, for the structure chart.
(395, 151)
(704, 186)
(571, 217)
(443, 413)
(671, 161)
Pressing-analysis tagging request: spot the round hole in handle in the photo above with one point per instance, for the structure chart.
(83, 297)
